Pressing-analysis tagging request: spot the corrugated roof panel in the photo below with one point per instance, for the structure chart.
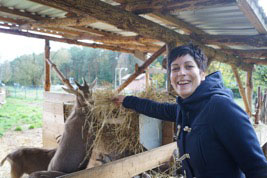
(111, 28)
(226, 20)
(33, 7)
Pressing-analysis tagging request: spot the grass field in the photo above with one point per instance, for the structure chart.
(20, 114)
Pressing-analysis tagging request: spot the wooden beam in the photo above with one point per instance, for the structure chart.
(11, 20)
(256, 61)
(251, 40)
(256, 53)
(249, 89)
(64, 40)
(61, 22)
(130, 22)
(171, 6)
(96, 31)
(130, 166)
(47, 84)
(119, 39)
(22, 13)
(142, 68)
(252, 11)
(241, 89)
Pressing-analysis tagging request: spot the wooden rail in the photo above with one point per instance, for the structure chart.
(129, 166)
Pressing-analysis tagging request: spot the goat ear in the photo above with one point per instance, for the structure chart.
(92, 85)
(79, 86)
(69, 90)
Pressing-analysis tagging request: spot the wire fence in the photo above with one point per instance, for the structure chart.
(25, 92)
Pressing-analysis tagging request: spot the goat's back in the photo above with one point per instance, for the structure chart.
(31, 159)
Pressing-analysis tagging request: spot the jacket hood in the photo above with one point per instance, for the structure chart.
(213, 84)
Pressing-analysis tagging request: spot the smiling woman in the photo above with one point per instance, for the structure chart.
(213, 133)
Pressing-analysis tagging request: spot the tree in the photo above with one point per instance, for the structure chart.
(5, 72)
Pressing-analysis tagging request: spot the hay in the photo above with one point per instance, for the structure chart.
(122, 137)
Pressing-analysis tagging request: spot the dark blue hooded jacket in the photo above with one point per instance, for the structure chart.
(220, 141)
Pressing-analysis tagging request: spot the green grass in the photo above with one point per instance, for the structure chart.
(20, 114)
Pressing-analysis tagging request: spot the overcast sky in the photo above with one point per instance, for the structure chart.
(12, 46)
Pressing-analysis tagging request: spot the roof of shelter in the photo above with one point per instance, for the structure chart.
(231, 31)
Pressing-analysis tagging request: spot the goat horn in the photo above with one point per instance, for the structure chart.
(79, 86)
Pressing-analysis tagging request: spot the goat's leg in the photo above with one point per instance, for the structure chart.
(46, 174)
(16, 171)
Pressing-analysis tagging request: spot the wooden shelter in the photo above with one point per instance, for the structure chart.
(229, 31)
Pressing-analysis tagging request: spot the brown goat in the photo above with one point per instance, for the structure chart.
(46, 174)
(71, 152)
(28, 160)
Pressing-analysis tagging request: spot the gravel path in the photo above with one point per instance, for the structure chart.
(13, 140)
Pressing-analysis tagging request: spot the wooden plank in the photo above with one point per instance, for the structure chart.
(130, 166)
(52, 123)
(52, 107)
(58, 97)
(49, 138)
(167, 132)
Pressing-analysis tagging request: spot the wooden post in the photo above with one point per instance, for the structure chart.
(141, 69)
(170, 46)
(168, 127)
(258, 106)
(129, 166)
(147, 79)
(47, 84)
(249, 89)
(241, 89)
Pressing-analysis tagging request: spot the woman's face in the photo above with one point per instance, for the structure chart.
(185, 76)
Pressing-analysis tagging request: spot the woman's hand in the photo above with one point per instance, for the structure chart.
(118, 99)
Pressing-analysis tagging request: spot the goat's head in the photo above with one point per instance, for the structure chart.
(83, 93)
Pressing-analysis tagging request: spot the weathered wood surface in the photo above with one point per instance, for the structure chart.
(241, 89)
(53, 117)
(172, 6)
(250, 40)
(129, 166)
(47, 70)
(130, 22)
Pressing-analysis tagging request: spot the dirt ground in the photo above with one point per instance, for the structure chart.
(13, 140)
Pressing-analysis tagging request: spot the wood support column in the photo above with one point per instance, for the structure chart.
(170, 46)
(47, 83)
(249, 89)
(141, 69)
(241, 89)
(168, 127)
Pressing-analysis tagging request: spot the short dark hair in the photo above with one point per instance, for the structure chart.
(199, 57)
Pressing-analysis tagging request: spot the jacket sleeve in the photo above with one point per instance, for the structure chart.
(234, 130)
(162, 111)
